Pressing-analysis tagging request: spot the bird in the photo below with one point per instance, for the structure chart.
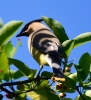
(44, 46)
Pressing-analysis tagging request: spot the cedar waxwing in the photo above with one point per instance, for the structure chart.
(44, 46)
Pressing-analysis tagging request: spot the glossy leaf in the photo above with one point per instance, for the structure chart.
(9, 75)
(8, 30)
(1, 23)
(9, 49)
(74, 77)
(60, 33)
(70, 65)
(80, 98)
(43, 94)
(70, 90)
(57, 28)
(80, 71)
(47, 74)
(85, 62)
(18, 74)
(82, 39)
(3, 64)
(69, 82)
(23, 68)
(67, 47)
(22, 96)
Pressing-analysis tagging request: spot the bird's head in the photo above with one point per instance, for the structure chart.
(31, 27)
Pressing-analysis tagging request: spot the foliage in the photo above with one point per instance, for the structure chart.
(39, 88)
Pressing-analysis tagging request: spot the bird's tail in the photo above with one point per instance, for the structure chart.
(55, 64)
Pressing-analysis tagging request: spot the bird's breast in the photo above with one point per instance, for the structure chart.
(37, 55)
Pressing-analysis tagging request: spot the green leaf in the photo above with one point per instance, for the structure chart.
(80, 71)
(8, 30)
(80, 98)
(18, 74)
(23, 68)
(84, 65)
(67, 73)
(9, 75)
(74, 77)
(82, 39)
(1, 23)
(22, 96)
(69, 82)
(60, 33)
(57, 28)
(70, 65)
(67, 47)
(70, 90)
(3, 64)
(9, 49)
(47, 74)
(43, 94)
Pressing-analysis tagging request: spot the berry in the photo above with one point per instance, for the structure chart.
(9, 96)
(67, 69)
(62, 95)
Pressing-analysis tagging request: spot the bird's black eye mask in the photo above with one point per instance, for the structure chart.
(27, 25)
(23, 33)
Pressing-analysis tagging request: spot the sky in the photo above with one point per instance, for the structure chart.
(74, 15)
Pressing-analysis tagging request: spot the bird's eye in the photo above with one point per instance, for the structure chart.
(26, 27)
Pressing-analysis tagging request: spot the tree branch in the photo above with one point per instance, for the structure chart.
(22, 82)
(9, 92)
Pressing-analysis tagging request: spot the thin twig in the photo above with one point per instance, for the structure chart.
(41, 67)
(80, 93)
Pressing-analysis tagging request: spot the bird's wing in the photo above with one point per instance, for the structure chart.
(46, 42)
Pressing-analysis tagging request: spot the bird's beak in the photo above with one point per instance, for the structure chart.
(18, 35)
(22, 34)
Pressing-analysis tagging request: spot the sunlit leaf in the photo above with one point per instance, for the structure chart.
(85, 62)
(23, 68)
(69, 82)
(80, 71)
(80, 98)
(9, 49)
(22, 96)
(18, 74)
(74, 77)
(60, 33)
(47, 74)
(57, 28)
(9, 75)
(43, 94)
(8, 30)
(1, 23)
(3, 64)
(67, 47)
(82, 39)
